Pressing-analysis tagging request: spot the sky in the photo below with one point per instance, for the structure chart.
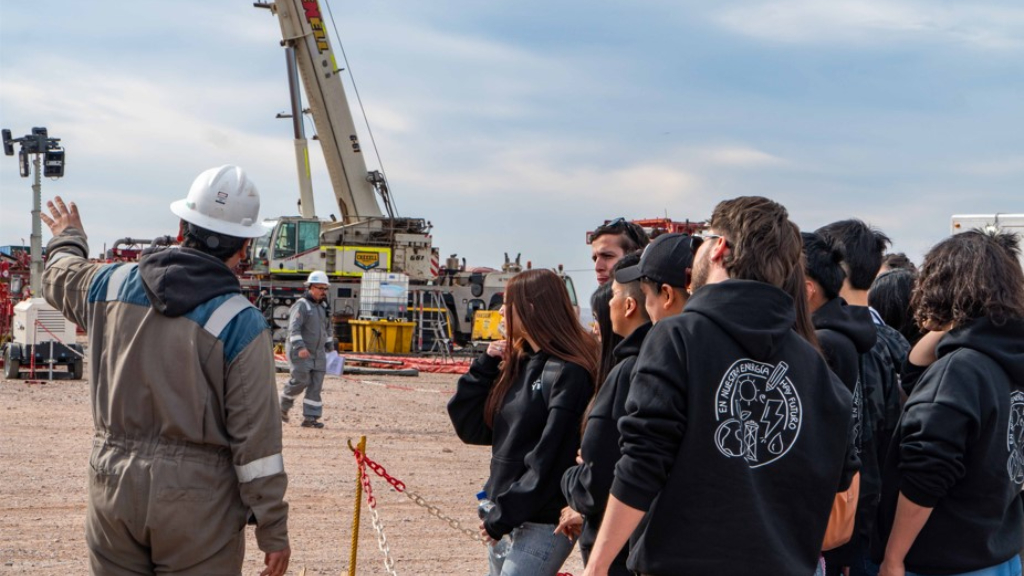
(517, 126)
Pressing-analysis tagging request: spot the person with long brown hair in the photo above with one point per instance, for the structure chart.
(525, 397)
(953, 476)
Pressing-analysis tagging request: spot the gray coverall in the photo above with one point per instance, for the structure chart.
(309, 328)
(187, 445)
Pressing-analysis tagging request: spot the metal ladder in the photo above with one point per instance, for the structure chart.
(434, 323)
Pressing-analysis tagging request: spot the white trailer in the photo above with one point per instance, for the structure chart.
(1003, 222)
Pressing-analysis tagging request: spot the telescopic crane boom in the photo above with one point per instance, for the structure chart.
(302, 28)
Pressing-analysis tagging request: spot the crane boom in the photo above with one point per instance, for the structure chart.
(302, 27)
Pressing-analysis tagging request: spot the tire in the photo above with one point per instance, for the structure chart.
(76, 368)
(12, 366)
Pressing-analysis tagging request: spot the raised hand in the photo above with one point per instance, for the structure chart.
(63, 216)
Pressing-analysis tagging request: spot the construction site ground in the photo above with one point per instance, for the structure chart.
(46, 439)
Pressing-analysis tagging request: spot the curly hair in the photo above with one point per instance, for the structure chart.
(967, 276)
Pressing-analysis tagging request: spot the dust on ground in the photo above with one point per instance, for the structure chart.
(47, 432)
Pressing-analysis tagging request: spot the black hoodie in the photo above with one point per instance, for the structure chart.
(959, 450)
(844, 333)
(179, 279)
(731, 441)
(534, 438)
(586, 485)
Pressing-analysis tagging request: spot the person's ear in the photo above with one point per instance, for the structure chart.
(810, 289)
(720, 249)
(245, 248)
(631, 307)
(668, 294)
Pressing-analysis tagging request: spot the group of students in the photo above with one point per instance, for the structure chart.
(740, 388)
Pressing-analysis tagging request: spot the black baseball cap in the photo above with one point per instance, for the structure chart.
(665, 261)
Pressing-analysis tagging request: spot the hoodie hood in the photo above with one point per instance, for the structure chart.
(630, 345)
(758, 316)
(1004, 344)
(854, 322)
(179, 279)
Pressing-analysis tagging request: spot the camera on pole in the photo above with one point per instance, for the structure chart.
(38, 142)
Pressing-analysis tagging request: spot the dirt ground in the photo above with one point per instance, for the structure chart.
(46, 433)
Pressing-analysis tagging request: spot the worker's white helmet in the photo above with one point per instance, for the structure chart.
(317, 277)
(223, 200)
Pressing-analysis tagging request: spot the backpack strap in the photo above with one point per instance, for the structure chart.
(552, 371)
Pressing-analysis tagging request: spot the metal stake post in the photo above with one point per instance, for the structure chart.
(358, 507)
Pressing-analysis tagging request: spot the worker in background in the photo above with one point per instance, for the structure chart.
(613, 240)
(187, 448)
(309, 340)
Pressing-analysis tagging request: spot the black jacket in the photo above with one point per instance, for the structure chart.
(731, 441)
(586, 485)
(880, 409)
(534, 439)
(960, 450)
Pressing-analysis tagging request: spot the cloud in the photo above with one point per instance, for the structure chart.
(868, 23)
(739, 157)
(996, 167)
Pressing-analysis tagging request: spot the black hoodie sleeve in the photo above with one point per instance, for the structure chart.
(586, 486)
(939, 423)
(466, 407)
(655, 421)
(550, 457)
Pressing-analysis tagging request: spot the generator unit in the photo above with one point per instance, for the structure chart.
(42, 339)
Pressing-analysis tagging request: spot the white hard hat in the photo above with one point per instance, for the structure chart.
(317, 277)
(223, 200)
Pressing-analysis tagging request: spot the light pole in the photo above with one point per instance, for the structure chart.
(36, 144)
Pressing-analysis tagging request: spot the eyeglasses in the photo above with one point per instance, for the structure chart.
(697, 239)
(315, 287)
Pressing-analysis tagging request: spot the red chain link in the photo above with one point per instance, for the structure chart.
(370, 500)
(397, 484)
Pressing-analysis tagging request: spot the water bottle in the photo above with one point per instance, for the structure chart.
(501, 547)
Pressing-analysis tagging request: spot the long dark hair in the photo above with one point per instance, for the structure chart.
(967, 276)
(609, 339)
(539, 300)
(796, 287)
(890, 297)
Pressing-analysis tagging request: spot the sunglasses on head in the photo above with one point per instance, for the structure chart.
(623, 226)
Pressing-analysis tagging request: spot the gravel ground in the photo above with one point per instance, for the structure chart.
(46, 438)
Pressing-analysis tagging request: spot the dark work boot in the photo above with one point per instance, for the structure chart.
(312, 423)
(284, 414)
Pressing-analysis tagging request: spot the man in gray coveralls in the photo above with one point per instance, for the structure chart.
(309, 339)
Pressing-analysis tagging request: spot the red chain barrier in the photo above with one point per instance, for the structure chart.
(399, 486)
(370, 500)
(362, 459)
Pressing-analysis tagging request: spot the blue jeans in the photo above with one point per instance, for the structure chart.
(536, 551)
(1009, 568)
